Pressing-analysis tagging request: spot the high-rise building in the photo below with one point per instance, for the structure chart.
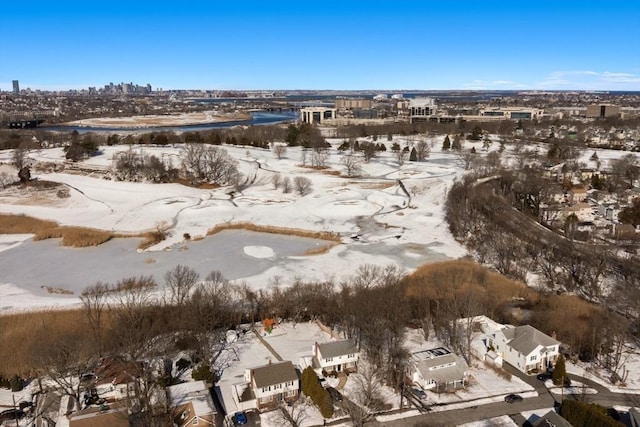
(16, 87)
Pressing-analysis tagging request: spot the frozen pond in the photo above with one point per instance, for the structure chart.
(236, 253)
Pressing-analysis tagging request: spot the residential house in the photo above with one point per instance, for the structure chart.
(551, 419)
(624, 231)
(273, 384)
(115, 415)
(583, 211)
(437, 369)
(117, 378)
(609, 211)
(577, 194)
(525, 348)
(336, 356)
(191, 404)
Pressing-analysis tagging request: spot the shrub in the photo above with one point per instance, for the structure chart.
(203, 373)
(17, 383)
(581, 414)
(320, 396)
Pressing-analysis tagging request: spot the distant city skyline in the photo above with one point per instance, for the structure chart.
(329, 45)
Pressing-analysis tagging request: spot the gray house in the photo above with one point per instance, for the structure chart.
(438, 369)
(336, 356)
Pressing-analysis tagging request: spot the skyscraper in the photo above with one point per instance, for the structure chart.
(16, 87)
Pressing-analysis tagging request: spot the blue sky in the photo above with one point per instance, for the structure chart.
(323, 44)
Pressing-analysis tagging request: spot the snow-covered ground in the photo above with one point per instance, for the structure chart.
(391, 228)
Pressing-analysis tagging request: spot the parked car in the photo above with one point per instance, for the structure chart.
(239, 418)
(544, 376)
(323, 382)
(512, 398)
(336, 396)
(419, 393)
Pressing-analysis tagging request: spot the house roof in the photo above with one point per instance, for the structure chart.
(551, 418)
(117, 371)
(274, 373)
(526, 338)
(195, 393)
(337, 348)
(116, 416)
(442, 375)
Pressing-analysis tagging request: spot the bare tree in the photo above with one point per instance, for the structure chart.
(369, 150)
(179, 282)
(351, 164)
(422, 150)
(19, 158)
(276, 180)
(5, 179)
(279, 150)
(319, 157)
(302, 185)
(401, 156)
(286, 185)
(367, 396)
(209, 163)
(94, 301)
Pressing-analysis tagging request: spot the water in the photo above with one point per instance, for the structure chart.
(257, 119)
(74, 269)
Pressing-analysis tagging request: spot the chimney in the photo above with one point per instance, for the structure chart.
(315, 349)
(553, 335)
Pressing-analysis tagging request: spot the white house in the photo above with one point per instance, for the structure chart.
(273, 383)
(525, 348)
(336, 356)
(192, 404)
(438, 369)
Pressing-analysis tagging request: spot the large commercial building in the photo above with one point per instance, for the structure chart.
(16, 87)
(351, 104)
(421, 109)
(317, 115)
(603, 110)
(512, 113)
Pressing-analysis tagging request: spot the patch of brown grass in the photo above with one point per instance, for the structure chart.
(77, 237)
(19, 333)
(452, 276)
(320, 249)
(331, 172)
(375, 185)
(323, 235)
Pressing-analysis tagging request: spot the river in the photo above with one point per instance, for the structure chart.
(257, 118)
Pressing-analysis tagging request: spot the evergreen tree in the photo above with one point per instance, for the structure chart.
(560, 372)
(413, 157)
(457, 143)
(447, 143)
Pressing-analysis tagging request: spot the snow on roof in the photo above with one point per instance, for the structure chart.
(552, 418)
(526, 338)
(337, 348)
(194, 392)
(274, 373)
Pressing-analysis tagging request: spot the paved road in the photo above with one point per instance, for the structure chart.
(544, 400)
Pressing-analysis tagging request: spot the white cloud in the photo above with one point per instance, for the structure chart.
(590, 80)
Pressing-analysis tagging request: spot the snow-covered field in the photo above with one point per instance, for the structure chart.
(391, 228)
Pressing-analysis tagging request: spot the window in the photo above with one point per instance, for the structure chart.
(328, 359)
(289, 384)
(195, 421)
(277, 386)
(534, 357)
